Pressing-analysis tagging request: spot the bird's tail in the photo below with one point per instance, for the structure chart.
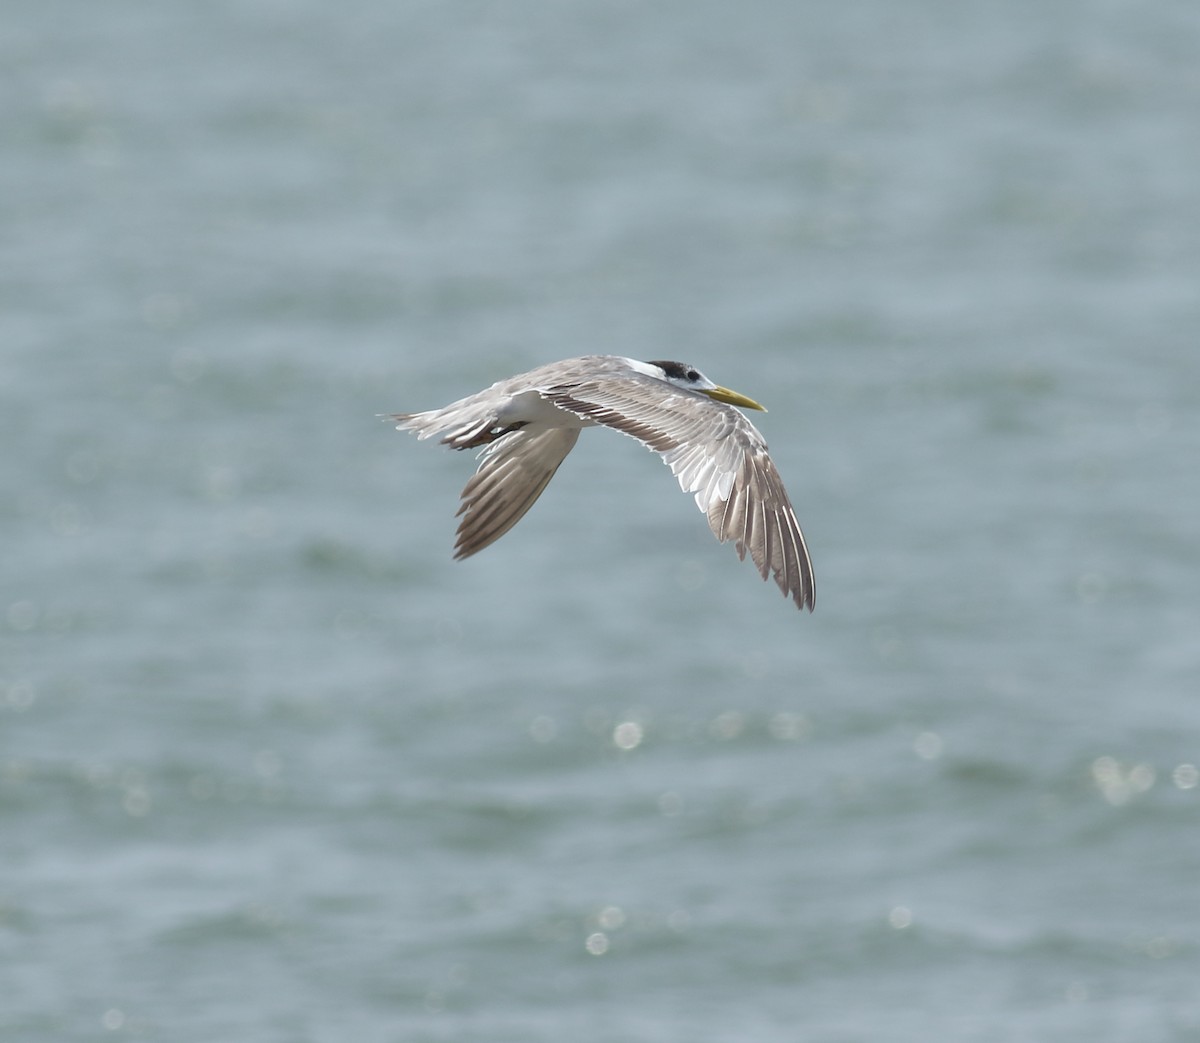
(461, 426)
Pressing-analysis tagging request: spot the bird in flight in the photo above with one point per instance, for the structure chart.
(527, 424)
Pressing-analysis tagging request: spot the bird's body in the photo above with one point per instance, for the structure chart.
(527, 425)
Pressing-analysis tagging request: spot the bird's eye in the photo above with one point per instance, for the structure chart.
(693, 375)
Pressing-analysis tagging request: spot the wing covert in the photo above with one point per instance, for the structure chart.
(716, 454)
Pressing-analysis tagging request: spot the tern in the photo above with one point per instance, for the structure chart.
(527, 424)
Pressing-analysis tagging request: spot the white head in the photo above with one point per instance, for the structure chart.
(691, 379)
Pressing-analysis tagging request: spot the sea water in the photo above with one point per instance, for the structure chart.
(274, 768)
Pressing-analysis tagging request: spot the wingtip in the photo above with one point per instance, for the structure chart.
(804, 596)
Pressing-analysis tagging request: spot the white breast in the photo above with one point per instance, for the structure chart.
(531, 408)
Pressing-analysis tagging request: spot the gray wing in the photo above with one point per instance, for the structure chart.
(716, 454)
(514, 471)
(521, 454)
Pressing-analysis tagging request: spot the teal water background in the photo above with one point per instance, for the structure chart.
(273, 768)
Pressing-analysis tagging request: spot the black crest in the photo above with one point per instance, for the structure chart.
(678, 370)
